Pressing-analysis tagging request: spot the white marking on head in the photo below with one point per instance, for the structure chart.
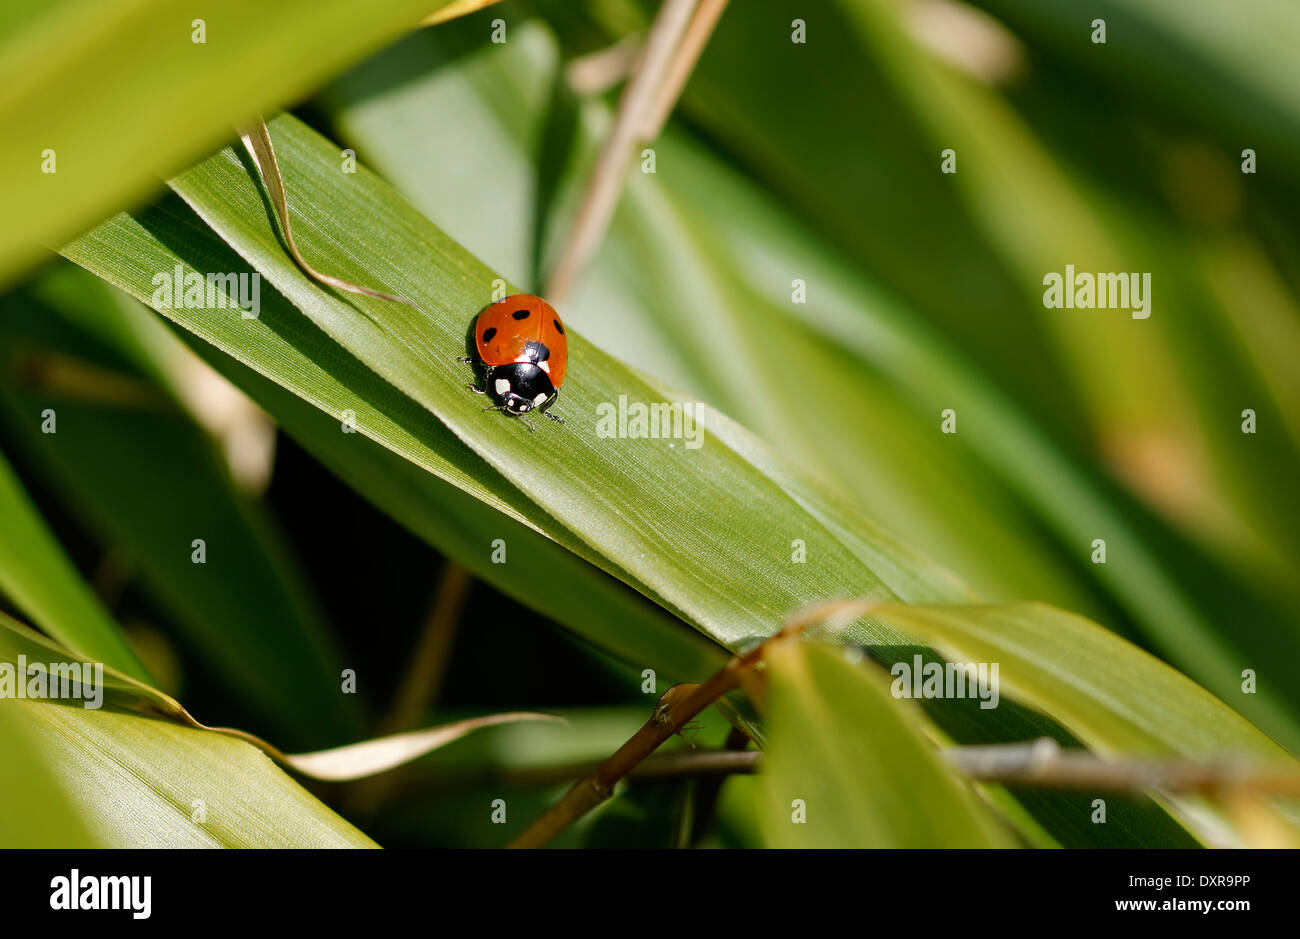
(544, 366)
(539, 399)
(502, 386)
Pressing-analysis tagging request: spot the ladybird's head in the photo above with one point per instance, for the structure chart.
(514, 404)
(520, 387)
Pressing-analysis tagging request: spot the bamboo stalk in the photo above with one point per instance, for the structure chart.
(606, 182)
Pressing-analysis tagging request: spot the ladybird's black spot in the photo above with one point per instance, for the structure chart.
(558, 328)
(520, 314)
(489, 333)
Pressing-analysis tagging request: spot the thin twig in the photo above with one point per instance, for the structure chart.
(421, 682)
(683, 63)
(606, 183)
(697, 763)
(423, 678)
(597, 72)
(675, 708)
(1041, 763)
(705, 764)
(1045, 763)
(1014, 764)
(598, 785)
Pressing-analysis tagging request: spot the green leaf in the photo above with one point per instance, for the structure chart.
(706, 533)
(157, 784)
(115, 128)
(664, 259)
(1231, 69)
(528, 765)
(370, 757)
(1052, 406)
(40, 579)
(539, 573)
(701, 530)
(35, 811)
(415, 469)
(159, 484)
(855, 763)
(137, 781)
(1114, 696)
(351, 761)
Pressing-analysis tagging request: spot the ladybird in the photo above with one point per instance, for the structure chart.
(521, 347)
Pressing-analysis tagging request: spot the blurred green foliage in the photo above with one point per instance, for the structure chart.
(799, 261)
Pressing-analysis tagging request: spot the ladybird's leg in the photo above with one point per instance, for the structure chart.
(465, 358)
(554, 417)
(487, 378)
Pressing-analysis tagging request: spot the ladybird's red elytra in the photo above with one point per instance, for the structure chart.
(523, 352)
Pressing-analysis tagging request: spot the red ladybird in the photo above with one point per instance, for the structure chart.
(522, 349)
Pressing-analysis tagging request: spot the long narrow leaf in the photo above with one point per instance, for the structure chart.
(41, 580)
(194, 74)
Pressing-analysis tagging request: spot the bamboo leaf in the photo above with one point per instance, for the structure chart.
(415, 469)
(1019, 207)
(848, 766)
(540, 574)
(40, 579)
(351, 761)
(677, 519)
(257, 140)
(1116, 698)
(133, 780)
(35, 811)
(359, 760)
(160, 485)
(1113, 695)
(193, 75)
(707, 533)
